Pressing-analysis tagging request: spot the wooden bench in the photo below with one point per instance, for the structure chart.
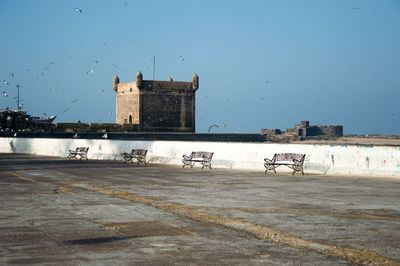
(79, 151)
(292, 160)
(202, 157)
(138, 154)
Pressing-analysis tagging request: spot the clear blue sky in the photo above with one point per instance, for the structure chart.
(262, 64)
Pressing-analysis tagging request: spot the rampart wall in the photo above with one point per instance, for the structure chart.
(374, 161)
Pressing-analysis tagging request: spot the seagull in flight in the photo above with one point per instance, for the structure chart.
(214, 125)
(5, 94)
(77, 9)
(12, 75)
(5, 82)
(90, 71)
(181, 58)
(356, 8)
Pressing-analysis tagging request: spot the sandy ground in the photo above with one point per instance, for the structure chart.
(68, 212)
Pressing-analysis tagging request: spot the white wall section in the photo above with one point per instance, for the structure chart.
(379, 161)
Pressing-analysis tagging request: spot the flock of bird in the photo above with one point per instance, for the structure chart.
(92, 70)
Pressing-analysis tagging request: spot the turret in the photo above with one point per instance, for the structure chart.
(139, 79)
(116, 82)
(195, 82)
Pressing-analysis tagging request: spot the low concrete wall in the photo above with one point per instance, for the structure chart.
(323, 159)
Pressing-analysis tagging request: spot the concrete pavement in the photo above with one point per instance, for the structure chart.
(59, 211)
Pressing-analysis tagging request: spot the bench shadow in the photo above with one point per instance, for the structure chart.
(97, 240)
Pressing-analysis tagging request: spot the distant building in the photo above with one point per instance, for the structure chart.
(305, 130)
(156, 105)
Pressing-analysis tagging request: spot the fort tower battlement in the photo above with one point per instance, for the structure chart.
(156, 105)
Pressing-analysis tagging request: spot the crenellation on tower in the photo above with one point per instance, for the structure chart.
(195, 82)
(116, 81)
(139, 80)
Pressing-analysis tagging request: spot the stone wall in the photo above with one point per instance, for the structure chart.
(304, 130)
(323, 130)
(127, 103)
(156, 105)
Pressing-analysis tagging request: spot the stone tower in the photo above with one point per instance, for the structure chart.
(164, 106)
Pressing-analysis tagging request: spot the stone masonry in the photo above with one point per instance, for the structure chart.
(156, 105)
(305, 130)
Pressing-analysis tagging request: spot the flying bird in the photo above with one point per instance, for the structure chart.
(96, 61)
(114, 65)
(90, 71)
(124, 3)
(5, 94)
(65, 110)
(12, 75)
(214, 125)
(181, 58)
(77, 9)
(5, 82)
(74, 101)
(356, 8)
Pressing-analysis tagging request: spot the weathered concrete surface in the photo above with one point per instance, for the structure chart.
(56, 211)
